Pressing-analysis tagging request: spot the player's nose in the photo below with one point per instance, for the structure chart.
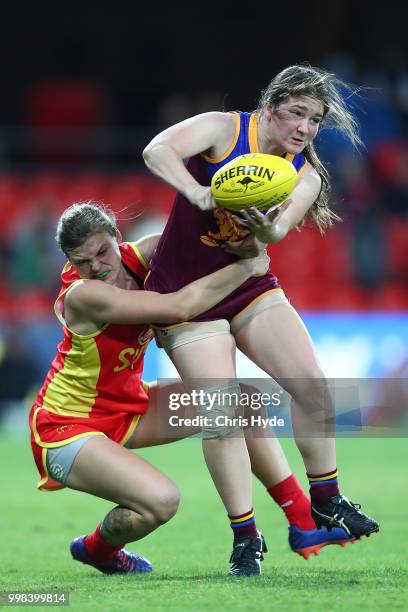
(303, 126)
(95, 266)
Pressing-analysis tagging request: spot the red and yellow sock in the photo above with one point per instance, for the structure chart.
(289, 495)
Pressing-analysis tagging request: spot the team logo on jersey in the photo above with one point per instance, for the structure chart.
(64, 428)
(228, 229)
(129, 356)
(145, 335)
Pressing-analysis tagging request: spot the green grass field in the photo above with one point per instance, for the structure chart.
(190, 553)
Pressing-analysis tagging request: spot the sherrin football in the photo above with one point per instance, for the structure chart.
(254, 179)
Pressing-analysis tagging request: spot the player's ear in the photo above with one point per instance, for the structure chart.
(118, 236)
(267, 109)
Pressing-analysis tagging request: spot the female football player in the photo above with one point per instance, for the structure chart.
(257, 317)
(93, 405)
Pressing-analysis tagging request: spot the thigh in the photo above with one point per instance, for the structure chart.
(162, 423)
(209, 358)
(279, 343)
(174, 336)
(200, 363)
(105, 469)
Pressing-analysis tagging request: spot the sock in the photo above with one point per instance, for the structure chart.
(98, 549)
(243, 525)
(323, 486)
(294, 502)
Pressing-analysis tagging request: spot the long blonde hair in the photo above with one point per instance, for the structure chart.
(305, 80)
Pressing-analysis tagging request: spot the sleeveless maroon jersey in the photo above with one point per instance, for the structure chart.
(190, 244)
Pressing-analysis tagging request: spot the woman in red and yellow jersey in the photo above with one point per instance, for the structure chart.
(93, 401)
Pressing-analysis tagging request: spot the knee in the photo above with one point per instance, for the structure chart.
(162, 506)
(313, 375)
(220, 419)
(315, 384)
(311, 385)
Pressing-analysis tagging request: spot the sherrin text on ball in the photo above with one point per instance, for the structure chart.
(254, 179)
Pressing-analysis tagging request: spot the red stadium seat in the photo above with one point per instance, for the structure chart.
(32, 304)
(316, 272)
(397, 239)
(13, 203)
(85, 186)
(159, 196)
(60, 113)
(391, 296)
(305, 255)
(6, 300)
(347, 296)
(56, 103)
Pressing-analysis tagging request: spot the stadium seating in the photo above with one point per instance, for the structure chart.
(316, 272)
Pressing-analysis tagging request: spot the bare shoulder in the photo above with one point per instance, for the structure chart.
(86, 298)
(223, 119)
(215, 121)
(219, 118)
(147, 246)
(203, 133)
(78, 313)
(224, 127)
(76, 292)
(77, 300)
(226, 120)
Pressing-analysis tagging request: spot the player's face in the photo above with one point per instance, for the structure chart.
(295, 123)
(98, 258)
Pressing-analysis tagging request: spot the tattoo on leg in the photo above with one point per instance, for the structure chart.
(118, 525)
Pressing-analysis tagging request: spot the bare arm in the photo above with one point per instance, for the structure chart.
(164, 155)
(276, 224)
(147, 246)
(98, 302)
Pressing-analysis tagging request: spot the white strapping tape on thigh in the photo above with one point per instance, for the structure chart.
(172, 337)
(275, 298)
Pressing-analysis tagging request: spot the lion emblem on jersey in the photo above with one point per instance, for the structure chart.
(228, 230)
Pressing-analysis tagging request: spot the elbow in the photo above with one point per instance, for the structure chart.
(148, 154)
(154, 153)
(183, 313)
(177, 311)
(278, 234)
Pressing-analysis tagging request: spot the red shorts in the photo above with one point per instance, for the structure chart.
(50, 430)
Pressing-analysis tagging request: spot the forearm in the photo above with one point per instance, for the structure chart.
(203, 294)
(95, 302)
(163, 161)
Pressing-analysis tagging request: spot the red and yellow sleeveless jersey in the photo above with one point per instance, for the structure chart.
(96, 375)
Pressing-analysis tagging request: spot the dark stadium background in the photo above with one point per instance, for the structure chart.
(84, 88)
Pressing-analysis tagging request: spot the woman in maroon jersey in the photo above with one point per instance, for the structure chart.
(257, 317)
